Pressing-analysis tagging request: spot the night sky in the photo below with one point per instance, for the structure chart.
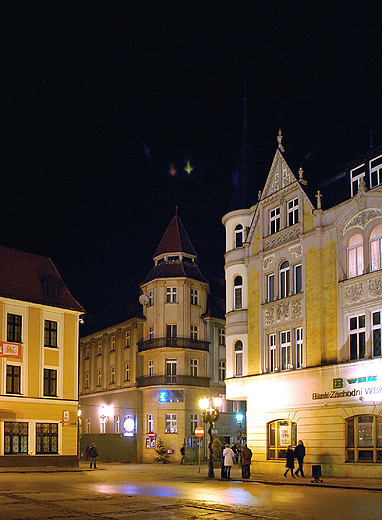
(96, 106)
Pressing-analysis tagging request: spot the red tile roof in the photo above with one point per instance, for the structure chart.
(33, 278)
(175, 239)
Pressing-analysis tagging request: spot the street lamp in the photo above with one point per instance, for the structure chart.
(210, 414)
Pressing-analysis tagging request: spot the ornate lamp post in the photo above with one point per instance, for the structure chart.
(210, 414)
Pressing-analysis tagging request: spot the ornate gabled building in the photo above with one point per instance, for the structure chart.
(175, 356)
(303, 316)
(39, 326)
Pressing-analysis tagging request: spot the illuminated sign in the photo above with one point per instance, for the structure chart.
(170, 396)
(339, 383)
(129, 426)
(10, 349)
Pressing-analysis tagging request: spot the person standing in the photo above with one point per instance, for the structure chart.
(299, 453)
(246, 456)
(289, 461)
(228, 455)
(93, 454)
(235, 453)
(183, 453)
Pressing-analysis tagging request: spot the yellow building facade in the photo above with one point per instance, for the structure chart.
(39, 325)
(303, 323)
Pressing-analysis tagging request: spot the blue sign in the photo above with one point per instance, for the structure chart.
(163, 397)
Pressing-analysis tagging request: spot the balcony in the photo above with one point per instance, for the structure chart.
(193, 344)
(164, 380)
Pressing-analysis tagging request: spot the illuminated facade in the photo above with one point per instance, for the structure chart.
(39, 363)
(304, 322)
(175, 355)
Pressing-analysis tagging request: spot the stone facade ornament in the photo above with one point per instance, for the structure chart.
(296, 309)
(268, 261)
(281, 239)
(282, 311)
(362, 219)
(270, 316)
(354, 293)
(296, 250)
(375, 287)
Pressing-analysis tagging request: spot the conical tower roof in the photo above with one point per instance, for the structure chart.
(175, 239)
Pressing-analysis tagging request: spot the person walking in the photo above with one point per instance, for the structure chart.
(289, 461)
(93, 454)
(183, 453)
(228, 455)
(299, 453)
(246, 456)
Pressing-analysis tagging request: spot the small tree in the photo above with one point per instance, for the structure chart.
(162, 454)
(217, 449)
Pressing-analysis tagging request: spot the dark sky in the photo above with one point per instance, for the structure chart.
(84, 94)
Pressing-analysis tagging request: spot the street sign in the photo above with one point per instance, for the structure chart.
(199, 431)
(151, 435)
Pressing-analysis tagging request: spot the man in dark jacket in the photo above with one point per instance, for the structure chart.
(93, 454)
(299, 453)
(246, 455)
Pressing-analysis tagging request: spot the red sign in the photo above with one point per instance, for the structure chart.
(199, 431)
(151, 435)
(10, 349)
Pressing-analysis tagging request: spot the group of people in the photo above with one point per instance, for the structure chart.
(299, 454)
(230, 456)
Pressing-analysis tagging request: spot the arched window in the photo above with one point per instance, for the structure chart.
(284, 279)
(364, 438)
(239, 236)
(375, 248)
(355, 256)
(238, 293)
(239, 358)
(281, 434)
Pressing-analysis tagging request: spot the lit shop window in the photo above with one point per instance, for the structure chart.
(281, 434)
(364, 439)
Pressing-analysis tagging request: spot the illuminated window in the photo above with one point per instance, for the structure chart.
(221, 336)
(112, 344)
(150, 422)
(355, 179)
(13, 384)
(376, 172)
(99, 350)
(272, 352)
(151, 332)
(355, 256)
(285, 350)
(194, 332)
(284, 280)
(375, 248)
(127, 372)
(270, 287)
(194, 422)
(299, 347)
(221, 370)
(14, 328)
(171, 371)
(171, 295)
(88, 424)
(151, 367)
(357, 337)
(151, 298)
(238, 293)
(50, 333)
(103, 424)
(281, 434)
(127, 339)
(15, 437)
(46, 438)
(376, 329)
(274, 220)
(194, 367)
(112, 375)
(239, 358)
(117, 423)
(292, 212)
(194, 297)
(239, 236)
(171, 423)
(99, 378)
(87, 380)
(364, 439)
(87, 352)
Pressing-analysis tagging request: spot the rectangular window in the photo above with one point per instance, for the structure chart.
(171, 332)
(194, 422)
(285, 350)
(99, 378)
(299, 347)
(272, 352)
(221, 370)
(151, 332)
(297, 279)
(151, 367)
(117, 424)
(150, 422)
(151, 298)
(238, 298)
(292, 212)
(357, 337)
(112, 344)
(127, 339)
(194, 332)
(171, 293)
(171, 371)
(221, 336)
(194, 367)
(46, 438)
(355, 178)
(194, 297)
(274, 220)
(14, 328)
(112, 375)
(103, 424)
(376, 334)
(99, 351)
(87, 380)
(87, 351)
(13, 385)
(376, 172)
(127, 372)
(50, 382)
(50, 334)
(171, 423)
(270, 287)
(88, 425)
(15, 437)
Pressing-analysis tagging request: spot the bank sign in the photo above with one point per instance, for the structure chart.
(364, 387)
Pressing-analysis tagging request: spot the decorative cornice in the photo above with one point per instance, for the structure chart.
(281, 239)
(362, 218)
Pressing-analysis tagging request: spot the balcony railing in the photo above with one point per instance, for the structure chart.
(173, 380)
(194, 344)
